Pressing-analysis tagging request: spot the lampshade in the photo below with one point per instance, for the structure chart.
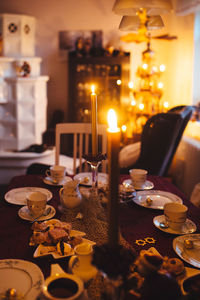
(132, 23)
(153, 7)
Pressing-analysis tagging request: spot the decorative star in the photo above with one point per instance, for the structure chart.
(150, 240)
(140, 242)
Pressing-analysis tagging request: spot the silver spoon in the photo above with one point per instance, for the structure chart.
(163, 225)
(44, 214)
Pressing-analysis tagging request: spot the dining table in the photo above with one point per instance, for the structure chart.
(135, 223)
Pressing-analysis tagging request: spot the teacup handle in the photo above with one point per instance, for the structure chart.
(61, 192)
(72, 262)
(48, 173)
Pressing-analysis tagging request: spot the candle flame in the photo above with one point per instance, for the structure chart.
(112, 121)
(93, 88)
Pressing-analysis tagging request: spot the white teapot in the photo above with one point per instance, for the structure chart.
(70, 195)
(62, 286)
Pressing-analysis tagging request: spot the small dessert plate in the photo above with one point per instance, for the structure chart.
(49, 181)
(148, 185)
(51, 250)
(192, 255)
(155, 199)
(24, 213)
(188, 227)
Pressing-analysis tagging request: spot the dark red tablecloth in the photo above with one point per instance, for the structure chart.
(135, 223)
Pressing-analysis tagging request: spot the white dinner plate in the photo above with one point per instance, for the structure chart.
(19, 195)
(49, 181)
(24, 276)
(148, 185)
(85, 178)
(188, 227)
(191, 256)
(24, 213)
(159, 198)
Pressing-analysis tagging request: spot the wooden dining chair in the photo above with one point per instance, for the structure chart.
(81, 140)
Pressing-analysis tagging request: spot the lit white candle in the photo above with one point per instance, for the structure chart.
(113, 169)
(94, 121)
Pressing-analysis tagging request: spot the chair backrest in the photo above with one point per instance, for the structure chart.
(81, 133)
(186, 113)
(160, 138)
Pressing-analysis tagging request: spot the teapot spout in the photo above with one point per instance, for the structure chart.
(56, 269)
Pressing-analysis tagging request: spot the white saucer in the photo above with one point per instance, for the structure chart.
(148, 185)
(49, 181)
(188, 227)
(24, 213)
(191, 256)
(18, 196)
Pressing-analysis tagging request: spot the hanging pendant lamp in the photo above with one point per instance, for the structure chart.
(153, 7)
(132, 23)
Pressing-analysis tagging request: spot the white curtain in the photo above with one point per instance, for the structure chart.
(186, 7)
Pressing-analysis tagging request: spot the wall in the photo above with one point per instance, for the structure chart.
(56, 15)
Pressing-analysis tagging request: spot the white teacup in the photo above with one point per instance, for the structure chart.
(56, 173)
(175, 215)
(36, 202)
(138, 177)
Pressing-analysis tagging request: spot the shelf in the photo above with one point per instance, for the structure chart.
(104, 73)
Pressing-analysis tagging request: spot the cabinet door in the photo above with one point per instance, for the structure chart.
(110, 75)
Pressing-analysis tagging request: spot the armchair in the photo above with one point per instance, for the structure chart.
(159, 141)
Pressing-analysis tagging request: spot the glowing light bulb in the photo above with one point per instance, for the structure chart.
(86, 111)
(155, 69)
(133, 103)
(141, 106)
(130, 84)
(160, 85)
(144, 66)
(119, 82)
(124, 128)
(166, 104)
(162, 68)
